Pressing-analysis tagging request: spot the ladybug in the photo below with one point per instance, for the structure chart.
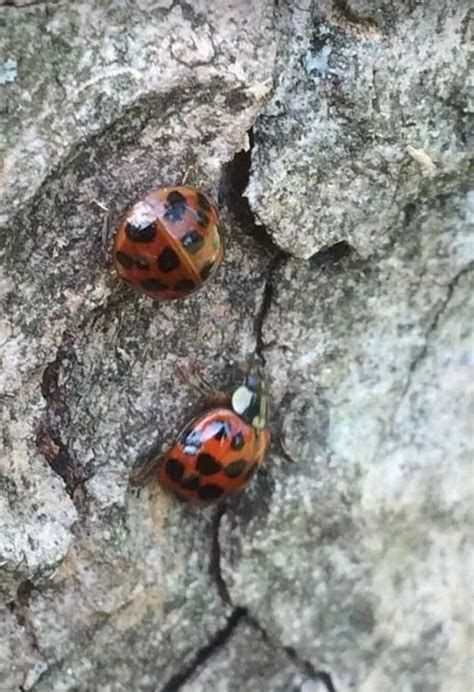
(217, 453)
(168, 244)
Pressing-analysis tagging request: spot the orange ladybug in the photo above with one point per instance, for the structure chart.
(217, 453)
(168, 244)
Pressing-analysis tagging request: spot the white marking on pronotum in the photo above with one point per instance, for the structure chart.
(241, 399)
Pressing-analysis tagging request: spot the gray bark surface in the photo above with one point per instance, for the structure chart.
(337, 135)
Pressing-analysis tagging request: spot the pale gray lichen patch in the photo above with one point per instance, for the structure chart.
(8, 71)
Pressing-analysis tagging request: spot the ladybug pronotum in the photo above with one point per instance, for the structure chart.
(216, 453)
(168, 244)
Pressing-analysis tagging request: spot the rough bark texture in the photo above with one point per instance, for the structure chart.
(348, 226)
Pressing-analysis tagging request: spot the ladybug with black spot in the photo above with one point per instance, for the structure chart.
(217, 453)
(168, 245)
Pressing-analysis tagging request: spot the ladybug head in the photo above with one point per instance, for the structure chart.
(249, 400)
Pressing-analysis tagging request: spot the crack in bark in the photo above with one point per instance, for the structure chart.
(234, 182)
(199, 660)
(268, 294)
(20, 609)
(304, 665)
(432, 328)
(50, 436)
(215, 561)
(219, 640)
(224, 635)
(232, 192)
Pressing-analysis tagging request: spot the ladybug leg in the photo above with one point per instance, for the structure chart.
(143, 473)
(194, 379)
(106, 233)
(106, 238)
(147, 465)
(186, 175)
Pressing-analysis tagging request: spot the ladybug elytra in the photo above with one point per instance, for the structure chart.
(168, 244)
(217, 453)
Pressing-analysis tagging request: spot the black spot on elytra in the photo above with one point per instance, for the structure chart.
(153, 285)
(175, 206)
(140, 230)
(185, 285)
(203, 202)
(202, 218)
(210, 492)
(238, 441)
(191, 442)
(125, 260)
(168, 260)
(250, 472)
(206, 270)
(128, 261)
(235, 468)
(190, 482)
(174, 469)
(222, 428)
(192, 241)
(207, 465)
